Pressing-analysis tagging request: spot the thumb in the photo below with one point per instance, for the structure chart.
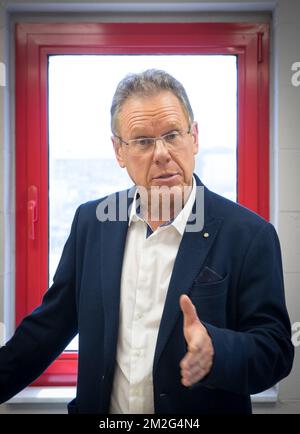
(189, 311)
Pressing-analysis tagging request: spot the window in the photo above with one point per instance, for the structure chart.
(82, 164)
(64, 68)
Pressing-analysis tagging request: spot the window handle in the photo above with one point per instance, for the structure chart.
(32, 211)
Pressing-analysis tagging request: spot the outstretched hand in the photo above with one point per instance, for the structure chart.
(198, 361)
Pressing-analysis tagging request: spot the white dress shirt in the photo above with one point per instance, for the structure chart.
(147, 267)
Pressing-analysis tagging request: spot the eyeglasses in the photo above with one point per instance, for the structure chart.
(173, 140)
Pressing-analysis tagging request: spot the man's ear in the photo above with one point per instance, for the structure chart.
(194, 131)
(118, 151)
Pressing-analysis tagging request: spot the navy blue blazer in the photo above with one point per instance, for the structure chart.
(233, 277)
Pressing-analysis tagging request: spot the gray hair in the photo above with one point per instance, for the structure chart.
(149, 82)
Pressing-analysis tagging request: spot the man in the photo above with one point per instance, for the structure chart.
(172, 318)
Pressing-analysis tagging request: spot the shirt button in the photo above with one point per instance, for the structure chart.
(139, 315)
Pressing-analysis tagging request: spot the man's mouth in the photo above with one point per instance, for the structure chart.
(168, 179)
(166, 176)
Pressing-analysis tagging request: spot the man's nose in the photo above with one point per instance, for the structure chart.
(161, 153)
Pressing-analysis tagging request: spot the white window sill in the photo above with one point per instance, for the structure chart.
(44, 395)
(62, 395)
(270, 395)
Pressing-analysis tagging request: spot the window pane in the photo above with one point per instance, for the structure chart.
(82, 165)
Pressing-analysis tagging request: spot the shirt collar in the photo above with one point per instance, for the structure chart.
(181, 219)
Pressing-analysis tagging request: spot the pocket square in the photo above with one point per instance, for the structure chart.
(208, 275)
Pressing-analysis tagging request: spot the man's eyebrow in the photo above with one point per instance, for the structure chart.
(142, 136)
(149, 136)
(171, 130)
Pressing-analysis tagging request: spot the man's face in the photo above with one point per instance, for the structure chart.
(154, 116)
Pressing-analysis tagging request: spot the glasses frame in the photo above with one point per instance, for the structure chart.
(130, 143)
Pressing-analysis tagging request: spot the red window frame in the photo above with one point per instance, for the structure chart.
(35, 42)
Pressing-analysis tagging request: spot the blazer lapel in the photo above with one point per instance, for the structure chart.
(191, 255)
(113, 239)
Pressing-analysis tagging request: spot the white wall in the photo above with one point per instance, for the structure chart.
(284, 148)
(287, 148)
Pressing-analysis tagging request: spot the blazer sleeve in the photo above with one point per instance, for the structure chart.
(259, 353)
(43, 334)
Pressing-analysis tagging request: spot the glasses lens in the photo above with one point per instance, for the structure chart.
(141, 146)
(145, 145)
(173, 139)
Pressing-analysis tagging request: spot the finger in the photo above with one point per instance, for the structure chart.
(189, 311)
(192, 359)
(192, 374)
(190, 379)
(193, 371)
(195, 338)
(196, 343)
(188, 361)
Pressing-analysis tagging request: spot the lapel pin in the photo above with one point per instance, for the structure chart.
(206, 235)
